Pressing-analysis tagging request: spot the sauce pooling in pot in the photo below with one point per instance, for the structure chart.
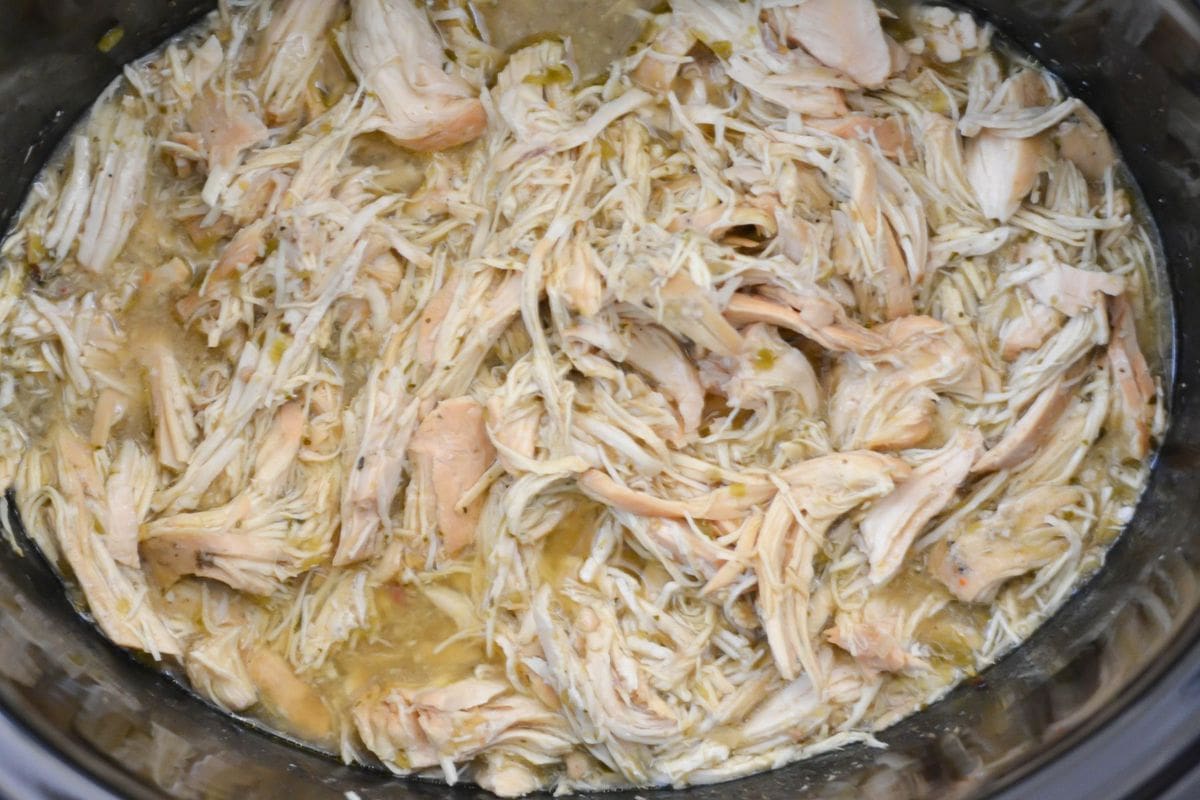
(640, 396)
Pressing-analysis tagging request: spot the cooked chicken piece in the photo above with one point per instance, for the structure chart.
(889, 133)
(99, 211)
(685, 309)
(533, 98)
(620, 432)
(952, 35)
(728, 502)
(794, 709)
(116, 595)
(873, 644)
(813, 316)
(215, 667)
(660, 64)
(128, 491)
(1023, 105)
(718, 220)
(248, 245)
(656, 354)
(279, 447)
(414, 729)
(239, 545)
(1002, 171)
(376, 448)
(1135, 395)
(117, 192)
(944, 161)
(203, 65)
(72, 206)
(175, 428)
(885, 400)
(844, 34)
(227, 127)
(614, 702)
(792, 79)
(678, 544)
(803, 188)
(202, 231)
(740, 560)
(897, 290)
(73, 457)
(879, 636)
(508, 777)
(245, 561)
(1028, 330)
(603, 334)
(248, 390)
(863, 185)
(886, 273)
(1086, 144)
(397, 54)
(61, 321)
(768, 365)
(334, 611)
(1067, 289)
(186, 150)
(1024, 438)
(781, 87)
(1073, 291)
(450, 451)
(289, 50)
(517, 433)
(431, 319)
(468, 331)
(1060, 457)
(301, 709)
(102, 346)
(165, 281)
(579, 280)
(951, 303)
(906, 217)
(823, 489)
(892, 523)
(796, 236)
(715, 23)
(625, 703)
(1012, 540)
(1032, 372)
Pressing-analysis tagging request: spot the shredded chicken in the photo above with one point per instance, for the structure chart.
(415, 729)
(888, 399)
(471, 412)
(1002, 171)
(843, 34)
(1137, 392)
(451, 452)
(397, 54)
(881, 634)
(1017, 537)
(891, 525)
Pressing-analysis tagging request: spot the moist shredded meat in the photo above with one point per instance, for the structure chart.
(456, 408)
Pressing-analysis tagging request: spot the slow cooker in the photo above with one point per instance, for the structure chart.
(1103, 701)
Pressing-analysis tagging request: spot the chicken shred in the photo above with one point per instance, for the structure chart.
(397, 54)
(891, 525)
(843, 34)
(450, 452)
(887, 400)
